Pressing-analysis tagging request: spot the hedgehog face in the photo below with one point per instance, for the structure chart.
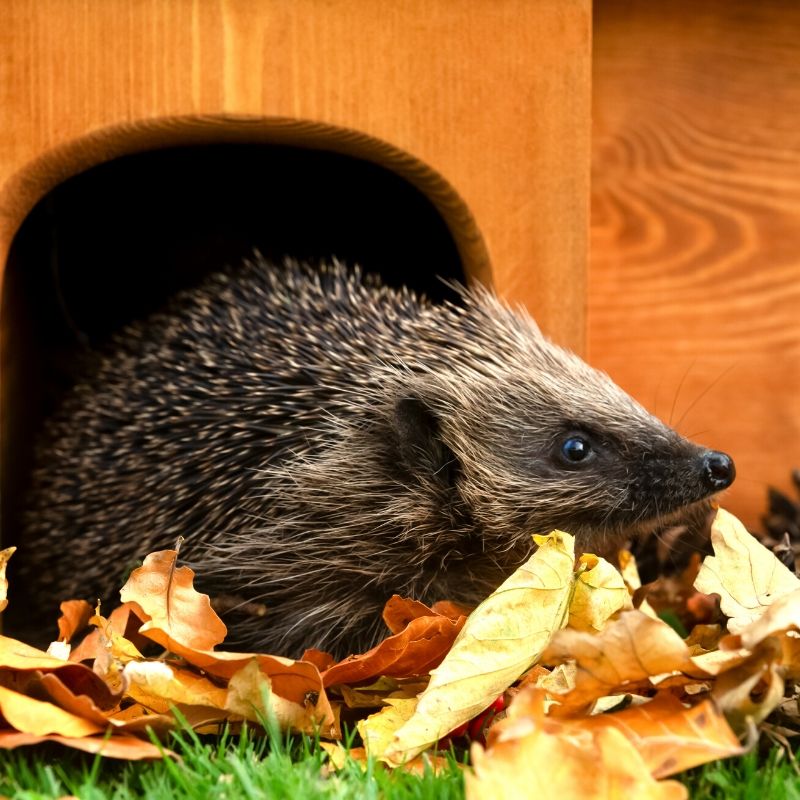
(522, 453)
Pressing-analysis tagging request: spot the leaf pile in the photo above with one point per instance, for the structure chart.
(564, 680)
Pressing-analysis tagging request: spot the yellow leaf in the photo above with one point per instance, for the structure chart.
(747, 577)
(502, 638)
(39, 719)
(782, 615)
(600, 592)
(159, 686)
(250, 687)
(751, 690)
(377, 731)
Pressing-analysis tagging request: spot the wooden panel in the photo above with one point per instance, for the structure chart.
(496, 100)
(694, 285)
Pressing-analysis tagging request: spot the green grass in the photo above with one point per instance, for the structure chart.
(249, 766)
(751, 777)
(227, 767)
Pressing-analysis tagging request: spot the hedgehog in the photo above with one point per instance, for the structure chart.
(323, 441)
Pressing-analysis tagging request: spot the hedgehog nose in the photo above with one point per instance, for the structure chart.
(718, 470)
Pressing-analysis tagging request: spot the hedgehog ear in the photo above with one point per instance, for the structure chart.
(422, 449)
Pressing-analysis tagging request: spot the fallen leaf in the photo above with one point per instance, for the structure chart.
(377, 731)
(118, 632)
(159, 686)
(4, 556)
(176, 613)
(623, 657)
(599, 593)
(399, 611)
(669, 736)
(751, 690)
(249, 691)
(782, 615)
(75, 615)
(747, 577)
(419, 647)
(500, 640)
(603, 764)
(38, 718)
(126, 747)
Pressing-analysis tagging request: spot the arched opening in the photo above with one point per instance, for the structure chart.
(110, 244)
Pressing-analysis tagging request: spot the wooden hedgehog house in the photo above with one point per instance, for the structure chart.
(143, 144)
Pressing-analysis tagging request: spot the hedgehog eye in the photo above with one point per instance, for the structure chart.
(576, 449)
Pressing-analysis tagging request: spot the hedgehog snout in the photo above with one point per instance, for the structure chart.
(718, 470)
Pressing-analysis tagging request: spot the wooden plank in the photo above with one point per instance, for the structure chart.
(694, 285)
(494, 101)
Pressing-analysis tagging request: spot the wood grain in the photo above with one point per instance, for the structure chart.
(494, 101)
(694, 285)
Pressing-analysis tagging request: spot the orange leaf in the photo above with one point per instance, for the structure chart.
(127, 747)
(74, 617)
(320, 659)
(177, 613)
(669, 736)
(419, 648)
(20, 659)
(399, 611)
(4, 556)
(542, 764)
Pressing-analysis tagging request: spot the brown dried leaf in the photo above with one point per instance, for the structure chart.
(416, 650)
(400, 611)
(4, 556)
(126, 747)
(176, 613)
(623, 657)
(669, 736)
(600, 765)
(75, 615)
